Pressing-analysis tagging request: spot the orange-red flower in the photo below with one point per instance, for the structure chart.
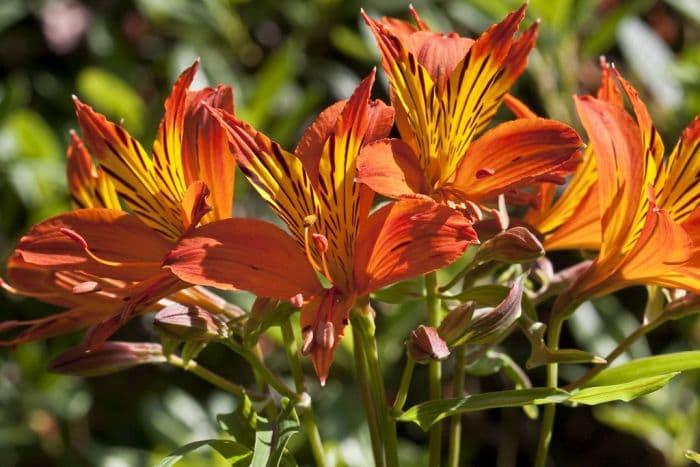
(314, 191)
(103, 263)
(648, 205)
(446, 89)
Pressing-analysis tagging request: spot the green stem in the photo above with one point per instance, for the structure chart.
(262, 370)
(270, 409)
(403, 386)
(434, 368)
(307, 414)
(562, 309)
(363, 320)
(617, 351)
(456, 426)
(367, 399)
(549, 410)
(211, 377)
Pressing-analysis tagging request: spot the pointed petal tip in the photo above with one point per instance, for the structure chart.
(322, 380)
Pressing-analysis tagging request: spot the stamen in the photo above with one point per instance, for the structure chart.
(8, 288)
(321, 243)
(307, 248)
(82, 243)
(86, 287)
(483, 173)
(307, 340)
(325, 334)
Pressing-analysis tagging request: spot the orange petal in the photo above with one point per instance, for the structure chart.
(391, 168)
(277, 175)
(112, 235)
(678, 190)
(131, 169)
(478, 84)
(310, 147)
(88, 184)
(344, 203)
(205, 151)
(167, 147)
(408, 238)
(518, 107)
(515, 154)
(57, 324)
(194, 204)
(619, 157)
(137, 299)
(580, 230)
(245, 254)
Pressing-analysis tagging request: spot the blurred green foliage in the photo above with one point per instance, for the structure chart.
(286, 61)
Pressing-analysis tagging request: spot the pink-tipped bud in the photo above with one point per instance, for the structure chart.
(75, 236)
(297, 300)
(515, 245)
(110, 357)
(424, 344)
(86, 287)
(321, 242)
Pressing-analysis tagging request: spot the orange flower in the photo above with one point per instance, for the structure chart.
(648, 204)
(446, 89)
(572, 222)
(102, 263)
(314, 192)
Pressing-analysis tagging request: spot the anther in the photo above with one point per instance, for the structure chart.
(307, 340)
(483, 173)
(321, 242)
(86, 287)
(297, 300)
(8, 288)
(310, 220)
(325, 334)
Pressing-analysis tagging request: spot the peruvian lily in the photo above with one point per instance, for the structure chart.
(313, 190)
(572, 221)
(446, 89)
(648, 205)
(105, 264)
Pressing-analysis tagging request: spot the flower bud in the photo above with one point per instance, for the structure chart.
(110, 357)
(190, 323)
(484, 325)
(515, 245)
(424, 344)
(456, 323)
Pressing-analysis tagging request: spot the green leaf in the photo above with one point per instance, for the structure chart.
(693, 456)
(241, 423)
(484, 295)
(272, 438)
(429, 413)
(646, 367)
(112, 96)
(624, 392)
(232, 451)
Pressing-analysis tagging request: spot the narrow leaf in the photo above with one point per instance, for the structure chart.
(623, 392)
(233, 452)
(646, 367)
(429, 413)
